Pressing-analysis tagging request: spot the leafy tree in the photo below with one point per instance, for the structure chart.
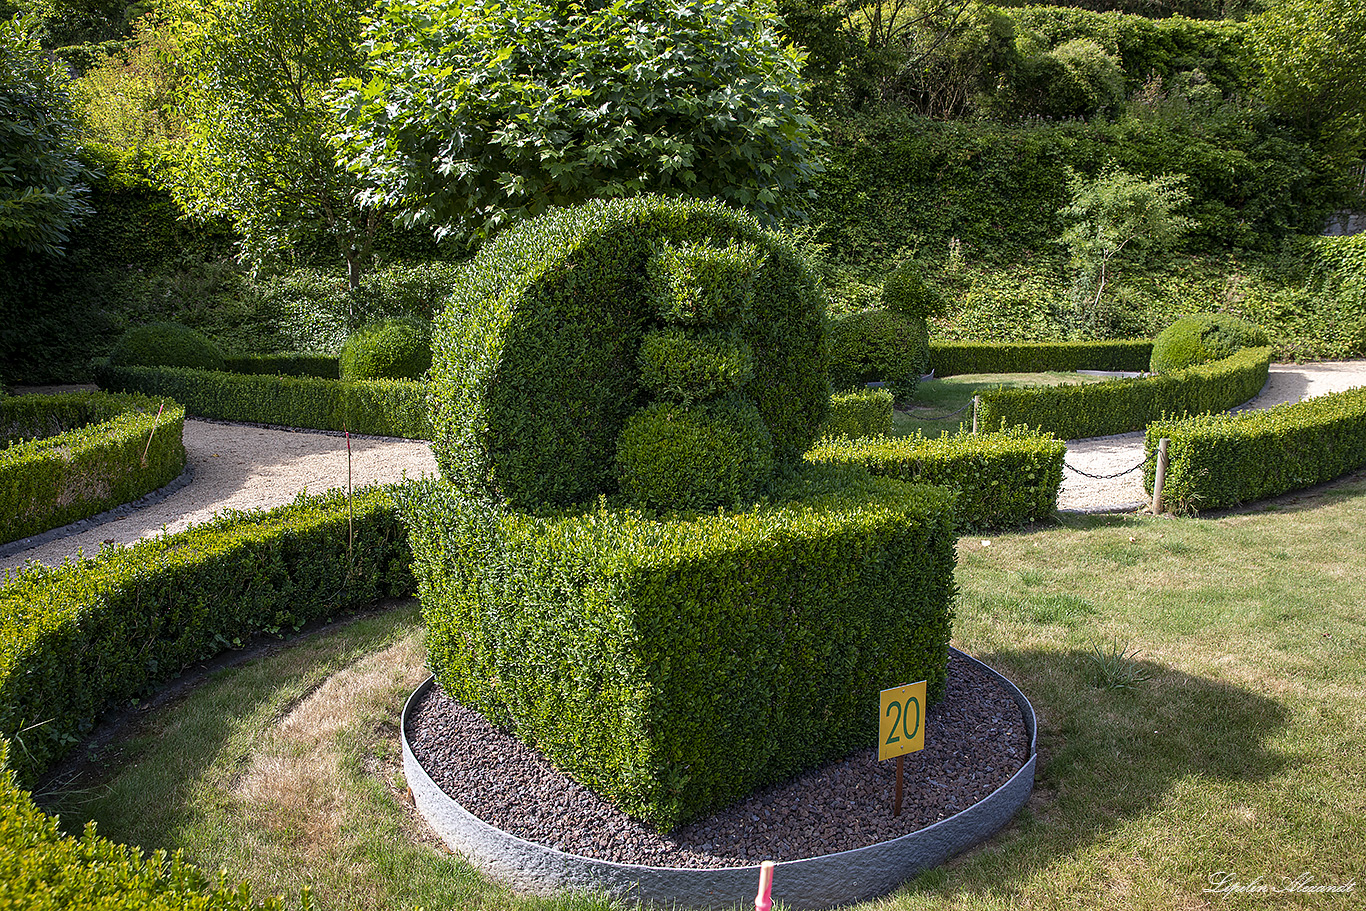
(43, 188)
(1114, 216)
(485, 112)
(1313, 55)
(258, 123)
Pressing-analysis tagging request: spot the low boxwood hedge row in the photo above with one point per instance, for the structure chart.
(68, 457)
(286, 363)
(82, 637)
(1219, 460)
(391, 408)
(43, 870)
(1082, 410)
(866, 413)
(1002, 479)
(957, 358)
(644, 654)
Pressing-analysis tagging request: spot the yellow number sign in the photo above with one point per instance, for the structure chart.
(902, 728)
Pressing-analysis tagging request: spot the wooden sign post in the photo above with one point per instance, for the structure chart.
(901, 729)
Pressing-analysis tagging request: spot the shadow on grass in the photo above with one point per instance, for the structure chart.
(1108, 755)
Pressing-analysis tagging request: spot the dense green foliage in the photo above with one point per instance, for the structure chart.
(1202, 338)
(879, 345)
(905, 292)
(163, 344)
(1121, 406)
(687, 641)
(475, 116)
(44, 186)
(286, 363)
(1002, 479)
(863, 413)
(1221, 460)
(957, 358)
(683, 366)
(258, 124)
(536, 357)
(393, 349)
(81, 638)
(391, 408)
(694, 457)
(110, 449)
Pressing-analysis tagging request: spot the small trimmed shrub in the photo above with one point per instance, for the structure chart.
(80, 638)
(686, 641)
(1194, 340)
(165, 345)
(68, 457)
(1002, 479)
(536, 367)
(879, 345)
(683, 366)
(905, 292)
(391, 408)
(1221, 460)
(673, 456)
(1083, 410)
(394, 349)
(864, 413)
(958, 358)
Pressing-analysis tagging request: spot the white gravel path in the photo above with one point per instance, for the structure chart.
(1114, 454)
(237, 466)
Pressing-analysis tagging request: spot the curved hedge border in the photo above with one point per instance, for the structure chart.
(390, 408)
(1006, 478)
(93, 451)
(1219, 460)
(957, 358)
(81, 637)
(1120, 406)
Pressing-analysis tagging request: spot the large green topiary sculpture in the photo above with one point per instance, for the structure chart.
(537, 357)
(165, 345)
(1201, 338)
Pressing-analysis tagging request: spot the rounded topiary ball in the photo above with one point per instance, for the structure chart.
(879, 345)
(1193, 340)
(394, 349)
(675, 456)
(904, 291)
(165, 345)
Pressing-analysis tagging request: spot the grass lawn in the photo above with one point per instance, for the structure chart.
(1235, 754)
(945, 406)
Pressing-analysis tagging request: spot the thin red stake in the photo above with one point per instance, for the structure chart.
(764, 900)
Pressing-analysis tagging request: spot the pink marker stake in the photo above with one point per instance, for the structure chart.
(764, 900)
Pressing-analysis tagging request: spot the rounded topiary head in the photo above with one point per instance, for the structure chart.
(904, 291)
(394, 349)
(565, 326)
(1201, 338)
(879, 345)
(165, 345)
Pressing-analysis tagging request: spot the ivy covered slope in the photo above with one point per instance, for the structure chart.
(626, 562)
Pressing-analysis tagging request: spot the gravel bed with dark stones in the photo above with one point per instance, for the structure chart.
(975, 741)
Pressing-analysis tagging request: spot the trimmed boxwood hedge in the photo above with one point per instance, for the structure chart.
(1002, 479)
(958, 358)
(391, 408)
(82, 637)
(1083, 410)
(535, 358)
(866, 413)
(68, 457)
(286, 363)
(1220, 460)
(642, 655)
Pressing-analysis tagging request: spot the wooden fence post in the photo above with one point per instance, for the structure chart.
(1160, 477)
